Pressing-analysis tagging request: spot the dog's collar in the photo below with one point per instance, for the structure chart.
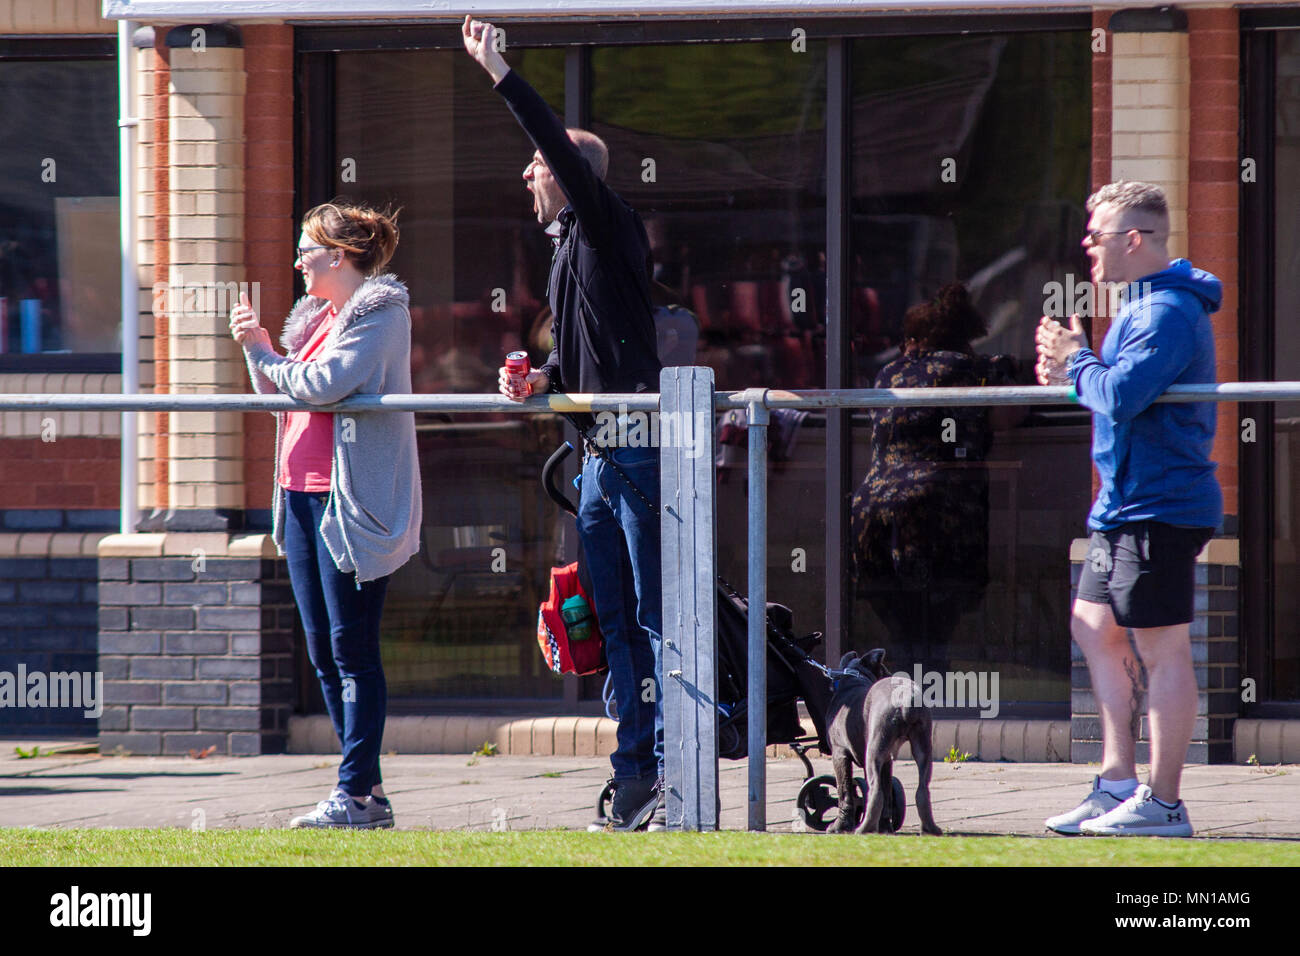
(838, 675)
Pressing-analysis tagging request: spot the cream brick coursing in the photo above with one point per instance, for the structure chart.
(66, 424)
(206, 222)
(50, 544)
(53, 16)
(1150, 119)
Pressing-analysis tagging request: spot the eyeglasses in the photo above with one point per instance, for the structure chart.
(1094, 235)
(303, 250)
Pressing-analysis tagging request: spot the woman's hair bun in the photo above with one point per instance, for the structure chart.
(367, 236)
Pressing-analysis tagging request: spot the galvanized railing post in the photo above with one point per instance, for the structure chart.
(756, 708)
(689, 570)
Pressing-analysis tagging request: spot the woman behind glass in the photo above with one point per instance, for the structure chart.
(920, 519)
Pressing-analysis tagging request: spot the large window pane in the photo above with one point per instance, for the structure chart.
(60, 281)
(969, 163)
(722, 149)
(1285, 678)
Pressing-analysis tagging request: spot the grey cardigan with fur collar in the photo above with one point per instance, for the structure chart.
(372, 521)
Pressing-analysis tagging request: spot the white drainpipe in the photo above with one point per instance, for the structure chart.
(130, 281)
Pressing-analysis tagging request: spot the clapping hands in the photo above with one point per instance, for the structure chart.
(1055, 344)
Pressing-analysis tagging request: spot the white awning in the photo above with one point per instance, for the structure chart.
(224, 10)
(194, 10)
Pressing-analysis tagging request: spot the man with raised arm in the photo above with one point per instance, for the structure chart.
(1158, 504)
(604, 333)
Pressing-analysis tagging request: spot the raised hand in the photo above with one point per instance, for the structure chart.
(245, 326)
(480, 43)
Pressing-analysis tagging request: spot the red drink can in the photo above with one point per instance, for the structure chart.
(518, 367)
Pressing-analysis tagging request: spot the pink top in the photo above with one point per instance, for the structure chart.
(307, 448)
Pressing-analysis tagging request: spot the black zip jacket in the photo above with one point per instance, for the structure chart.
(599, 288)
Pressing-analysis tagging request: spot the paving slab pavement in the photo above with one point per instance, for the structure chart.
(464, 792)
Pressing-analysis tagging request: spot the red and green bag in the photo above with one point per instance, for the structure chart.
(567, 630)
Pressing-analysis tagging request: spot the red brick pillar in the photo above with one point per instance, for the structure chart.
(270, 233)
(1214, 175)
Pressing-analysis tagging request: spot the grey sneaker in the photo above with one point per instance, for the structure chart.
(1141, 815)
(340, 810)
(1095, 804)
(383, 809)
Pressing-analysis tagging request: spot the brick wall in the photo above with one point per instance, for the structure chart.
(1149, 119)
(70, 473)
(205, 249)
(194, 654)
(59, 460)
(45, 16)
(1214, 182)
(1101, 74)
(153, 252)
(270, 231)
(48, 622)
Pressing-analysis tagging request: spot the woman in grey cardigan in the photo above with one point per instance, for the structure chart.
(347, 498)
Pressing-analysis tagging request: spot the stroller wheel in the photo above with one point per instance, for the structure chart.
(895, 805)
(819, 803)
(898, 806)
(602, 802)
(729, 743)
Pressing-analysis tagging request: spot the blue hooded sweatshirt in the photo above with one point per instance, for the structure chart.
(1154, 460)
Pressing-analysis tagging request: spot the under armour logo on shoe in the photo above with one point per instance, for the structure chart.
(1173, 817)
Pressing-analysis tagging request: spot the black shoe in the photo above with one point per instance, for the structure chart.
(634, 802)
(659, 821)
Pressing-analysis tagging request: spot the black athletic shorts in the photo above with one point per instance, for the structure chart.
(1144, 571)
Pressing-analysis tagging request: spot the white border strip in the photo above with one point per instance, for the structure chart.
(191, 10)
(563, 9)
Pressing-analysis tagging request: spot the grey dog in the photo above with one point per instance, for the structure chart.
(870, 717)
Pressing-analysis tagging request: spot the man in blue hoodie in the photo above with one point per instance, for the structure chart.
(1158, 504)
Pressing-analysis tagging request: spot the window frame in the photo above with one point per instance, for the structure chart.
(61, 48)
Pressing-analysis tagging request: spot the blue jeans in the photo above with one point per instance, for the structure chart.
(620, 539)
(341, 623)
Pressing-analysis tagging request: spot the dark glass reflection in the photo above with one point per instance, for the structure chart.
(969, 163)
(920, 519)
(722, 149)
(1285, 682)
(60, 275)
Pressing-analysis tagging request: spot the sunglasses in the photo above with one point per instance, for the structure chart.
(1095, 235)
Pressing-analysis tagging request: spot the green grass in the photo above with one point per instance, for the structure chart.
(566, 848)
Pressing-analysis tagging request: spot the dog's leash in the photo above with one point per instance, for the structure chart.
(833, 674)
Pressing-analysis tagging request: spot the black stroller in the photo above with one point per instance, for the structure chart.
(792, 675)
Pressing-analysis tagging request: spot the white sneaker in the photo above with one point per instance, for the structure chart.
(1097, 803)
(340, 810)
(1141, 815)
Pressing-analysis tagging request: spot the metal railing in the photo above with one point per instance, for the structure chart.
(688, 516)
(639, 401)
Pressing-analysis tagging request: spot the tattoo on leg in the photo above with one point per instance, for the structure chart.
(1134, 671)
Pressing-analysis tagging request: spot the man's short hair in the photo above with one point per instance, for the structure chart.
(592, 148)
(1132, 197)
